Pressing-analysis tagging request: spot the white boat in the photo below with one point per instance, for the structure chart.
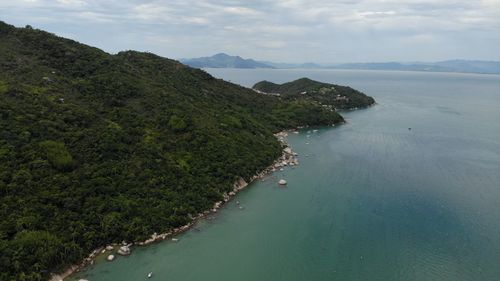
(150, 274)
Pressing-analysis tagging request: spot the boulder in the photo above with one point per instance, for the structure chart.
(124, 251)
(110, 258)
(282, 182)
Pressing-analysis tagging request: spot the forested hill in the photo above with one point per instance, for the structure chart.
(304, 89)
(98, 148)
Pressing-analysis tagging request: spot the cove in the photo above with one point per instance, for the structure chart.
(370, 200)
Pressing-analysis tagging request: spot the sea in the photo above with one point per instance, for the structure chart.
(406, 190)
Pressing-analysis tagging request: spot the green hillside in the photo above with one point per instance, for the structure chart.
(304, 89)
(97, 148)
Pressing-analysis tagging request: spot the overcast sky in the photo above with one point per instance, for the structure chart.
(322, 31)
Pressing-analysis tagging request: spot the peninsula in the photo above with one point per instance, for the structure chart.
(101, 148)
(327, 95)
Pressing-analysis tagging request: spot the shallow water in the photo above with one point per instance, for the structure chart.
(371, 200)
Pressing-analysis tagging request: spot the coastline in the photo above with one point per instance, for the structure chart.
(287, 158)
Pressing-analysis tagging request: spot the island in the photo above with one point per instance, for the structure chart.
(100, 149)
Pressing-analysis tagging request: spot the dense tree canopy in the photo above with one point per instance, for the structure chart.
(97, 148)
(335, 96)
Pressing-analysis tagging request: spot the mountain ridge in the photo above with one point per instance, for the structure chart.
(222, 60)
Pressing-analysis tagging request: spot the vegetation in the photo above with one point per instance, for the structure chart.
(328, 95)
(98, 148)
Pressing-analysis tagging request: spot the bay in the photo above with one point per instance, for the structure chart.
(370, 200)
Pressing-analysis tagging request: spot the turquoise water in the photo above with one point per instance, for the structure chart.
(371, 200)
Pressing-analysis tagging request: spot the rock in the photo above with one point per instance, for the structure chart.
(282, 182)
(124, 251)
(110, 258)
(175, 239)
(288, 150)
(109, 248)
(241, 181)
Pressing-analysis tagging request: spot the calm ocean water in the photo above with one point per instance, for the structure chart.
(371, 200)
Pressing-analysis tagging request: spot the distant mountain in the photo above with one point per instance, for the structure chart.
(467, 66)
(222, 60)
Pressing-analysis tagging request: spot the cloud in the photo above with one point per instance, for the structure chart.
(72, 2)
(242, 11)
(286, 30)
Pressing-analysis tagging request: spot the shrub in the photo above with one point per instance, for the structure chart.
(57, 154)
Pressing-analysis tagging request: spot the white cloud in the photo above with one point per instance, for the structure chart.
(299, 29)
(243, 11)
(72, 2)
(151, 11)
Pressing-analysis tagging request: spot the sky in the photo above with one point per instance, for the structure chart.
(292, 31)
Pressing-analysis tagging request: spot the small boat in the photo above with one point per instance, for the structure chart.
(409, 129)
(150, 274)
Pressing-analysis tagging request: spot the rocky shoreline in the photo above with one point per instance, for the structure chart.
(287, 158)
